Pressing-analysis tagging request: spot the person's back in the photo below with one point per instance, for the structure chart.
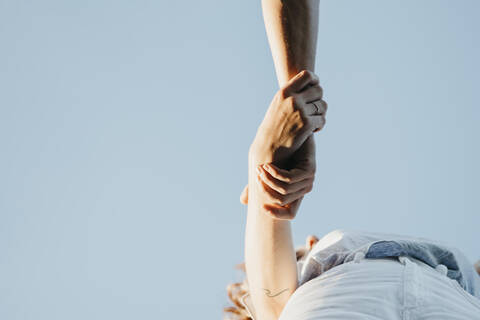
(357, 275)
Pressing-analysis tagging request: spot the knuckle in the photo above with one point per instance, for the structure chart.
(321, 122)
(307, 73)
(320, 91)
(310, 76)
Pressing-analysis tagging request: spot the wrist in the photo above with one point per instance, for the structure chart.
(260, 154)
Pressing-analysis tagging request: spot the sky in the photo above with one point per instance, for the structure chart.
(125, 127)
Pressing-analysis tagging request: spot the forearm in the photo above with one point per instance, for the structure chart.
(270, 259)
(292, 28)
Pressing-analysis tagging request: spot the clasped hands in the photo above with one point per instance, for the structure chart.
(282, 154)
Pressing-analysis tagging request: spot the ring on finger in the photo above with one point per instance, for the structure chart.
(317, 108)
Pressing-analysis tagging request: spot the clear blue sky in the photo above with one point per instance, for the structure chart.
(125, 126)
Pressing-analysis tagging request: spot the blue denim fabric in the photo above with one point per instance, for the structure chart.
(458, 266)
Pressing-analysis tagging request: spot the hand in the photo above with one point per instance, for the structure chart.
(309, 244)
(290, 119)
(285, 188)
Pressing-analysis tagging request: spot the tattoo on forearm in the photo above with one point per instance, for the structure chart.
(268, 293)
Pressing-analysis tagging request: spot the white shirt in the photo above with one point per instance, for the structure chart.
(334, 250)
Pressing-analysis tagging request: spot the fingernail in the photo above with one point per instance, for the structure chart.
(266, 166)
(258, 170)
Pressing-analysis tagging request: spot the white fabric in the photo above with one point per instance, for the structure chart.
(340, 246)
(382, 289)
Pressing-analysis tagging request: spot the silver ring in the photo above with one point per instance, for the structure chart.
(316, 107)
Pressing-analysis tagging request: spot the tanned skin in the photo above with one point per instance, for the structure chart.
(270, 260)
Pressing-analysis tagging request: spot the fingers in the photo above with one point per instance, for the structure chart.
(300, 81)
(315, 108)
(277, 198)
(287, 212)
(304, 89)
(289, 198)
(282, 187)
(288, 176)
(325, 106)
(318, 122)
(310, 94)
(311, 241)
(299, 182)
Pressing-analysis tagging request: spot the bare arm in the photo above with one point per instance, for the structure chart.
(270, 260)
(284, 134)
(292, 28)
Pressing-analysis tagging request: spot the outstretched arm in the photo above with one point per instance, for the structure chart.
(270, 260)
(292, 27)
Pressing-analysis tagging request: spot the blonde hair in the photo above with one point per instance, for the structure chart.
(236, 291)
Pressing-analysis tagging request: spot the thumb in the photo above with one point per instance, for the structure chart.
(244, 195)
